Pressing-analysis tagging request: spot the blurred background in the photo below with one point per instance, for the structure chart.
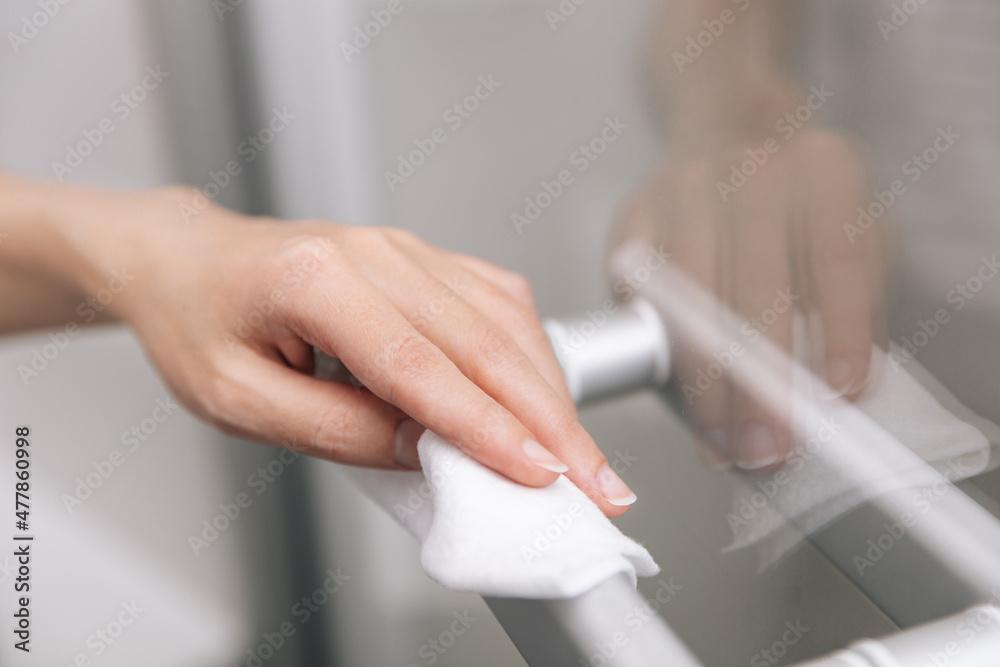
(309, 551)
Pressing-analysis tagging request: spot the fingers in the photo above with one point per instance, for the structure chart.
(421, 375)
(762, 291)
(680, 208)
(696, 244)
(841, 283)
(507, 299)
(493, 361)
(258, 399)
(401, 366)
(774, 247)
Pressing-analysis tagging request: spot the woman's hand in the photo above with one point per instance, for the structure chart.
(229, 309)
(770, 231)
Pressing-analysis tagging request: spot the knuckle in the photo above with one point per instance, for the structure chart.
(301, 247)
(495, 351)
(521, 290)
(490, 420)
(299, 258)
(411, 358)
(564, 427)
(399, 235)
(373, 242)
(526, 328)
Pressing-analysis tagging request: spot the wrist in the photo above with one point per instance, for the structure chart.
(92, 242)
(84, 234)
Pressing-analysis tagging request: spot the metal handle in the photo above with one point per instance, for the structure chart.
(611, 350)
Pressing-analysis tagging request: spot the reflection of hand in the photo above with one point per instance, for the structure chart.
(762, 243)
(230, 308)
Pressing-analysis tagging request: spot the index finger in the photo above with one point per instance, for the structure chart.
(841, 280)
(407, 369)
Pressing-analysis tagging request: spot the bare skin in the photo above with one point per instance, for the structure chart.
(774, 233)
(229, 309)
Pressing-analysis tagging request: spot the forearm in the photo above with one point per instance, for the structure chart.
(59, 249)
(32, 294)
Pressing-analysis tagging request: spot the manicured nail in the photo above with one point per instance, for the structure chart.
(840, 378)
(542, 457)
(615, 491)
(757, 448)
(404, 445)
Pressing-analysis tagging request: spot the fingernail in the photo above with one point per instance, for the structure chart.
(615, 491)
(404, 445)
(840, 378)
(542, 457)
(757, 448)
(860, 382)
